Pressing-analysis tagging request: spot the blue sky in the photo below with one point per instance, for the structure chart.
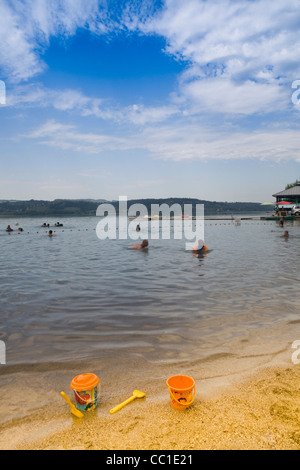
(149, 98)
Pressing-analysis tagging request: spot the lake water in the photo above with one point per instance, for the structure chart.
(74, 297)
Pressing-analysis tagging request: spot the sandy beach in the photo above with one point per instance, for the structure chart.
(238, 406)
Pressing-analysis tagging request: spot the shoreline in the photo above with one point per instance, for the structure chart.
(255, 407)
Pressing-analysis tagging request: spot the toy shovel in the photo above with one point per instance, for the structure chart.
(136, 394)
(74, 410)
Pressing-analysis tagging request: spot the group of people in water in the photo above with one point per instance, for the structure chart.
(50, 233)
(281, 224)
(58, 224)
(9, 229)
(197, 249)
(201, 247)
(140, 246)
(145, 243)
(19, 229)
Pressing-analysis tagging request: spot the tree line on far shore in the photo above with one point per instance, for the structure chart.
(79, 208)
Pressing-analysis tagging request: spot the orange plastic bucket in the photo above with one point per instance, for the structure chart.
(182, 391)
(85, 388)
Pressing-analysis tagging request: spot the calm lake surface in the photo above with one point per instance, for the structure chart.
(76, 297)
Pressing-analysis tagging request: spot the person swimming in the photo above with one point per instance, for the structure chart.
(9, 229)
(140, 246)
(200, 247)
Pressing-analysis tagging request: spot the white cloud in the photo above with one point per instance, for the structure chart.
(191, 142)
(17, 56)
(197, 96)
(243, 37)
(142, 115)
(69, 99)
(179, 142)
(66, 137)
(239, 53)
(26, 28)
(234, 35)
(75, 100)
(221, 95)
(36, 95)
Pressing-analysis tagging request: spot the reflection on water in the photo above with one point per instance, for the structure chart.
(75, 296)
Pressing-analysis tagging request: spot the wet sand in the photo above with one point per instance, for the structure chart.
(240, 404)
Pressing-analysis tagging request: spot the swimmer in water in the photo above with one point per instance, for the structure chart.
(286, 234)
(9, 229)
(51, 234)
(140, 246)
(200, 248)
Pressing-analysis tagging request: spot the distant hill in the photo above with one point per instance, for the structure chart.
(88, 207)
(210, 207)
(59, 207)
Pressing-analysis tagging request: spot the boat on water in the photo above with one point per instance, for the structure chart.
(146, 217)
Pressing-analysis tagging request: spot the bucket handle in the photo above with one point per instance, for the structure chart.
(83, 399)
(179, 403)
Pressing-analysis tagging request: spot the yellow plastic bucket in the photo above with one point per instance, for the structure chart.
(182, 391)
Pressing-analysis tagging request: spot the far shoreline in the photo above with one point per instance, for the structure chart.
(211, 216)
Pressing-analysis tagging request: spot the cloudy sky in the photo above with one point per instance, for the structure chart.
(149, 98)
